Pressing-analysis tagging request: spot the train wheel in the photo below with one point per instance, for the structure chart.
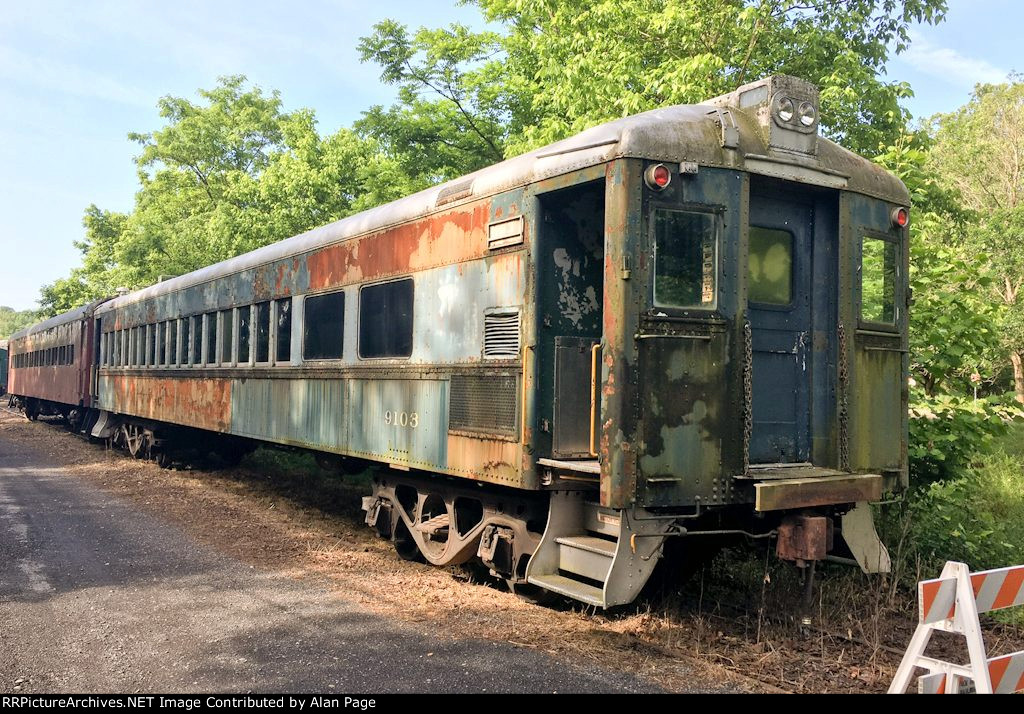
(405, 544)
(435, 522)
(133, 438)
(31, 410)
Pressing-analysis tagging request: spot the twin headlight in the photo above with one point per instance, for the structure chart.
(796, 113)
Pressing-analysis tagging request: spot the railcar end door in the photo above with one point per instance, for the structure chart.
(779, 303)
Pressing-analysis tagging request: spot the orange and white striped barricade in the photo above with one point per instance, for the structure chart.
(952, 603)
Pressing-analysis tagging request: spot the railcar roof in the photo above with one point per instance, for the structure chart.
(678, 133)
(77, 314)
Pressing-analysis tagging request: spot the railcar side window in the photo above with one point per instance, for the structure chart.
(211, 338)
(385, 319)
(227, 334)
(770, 266)
(323, 326)
(685, 259)
(878, 280)
(263, 332)
(243, 334)
(71, 354)
(284, 329)
(197, 339)
(185, 341)
(172, 343)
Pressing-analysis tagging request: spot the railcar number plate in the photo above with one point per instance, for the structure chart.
(406, 419)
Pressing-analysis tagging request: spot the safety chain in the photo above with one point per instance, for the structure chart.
(844, 402)
(748, 395)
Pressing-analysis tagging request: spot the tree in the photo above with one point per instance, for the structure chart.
(12, 320)
(979, 153)
(224, 176)
(561, 66)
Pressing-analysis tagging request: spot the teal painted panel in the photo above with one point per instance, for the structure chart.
(304, 412)
(395, 420)
(399, 420)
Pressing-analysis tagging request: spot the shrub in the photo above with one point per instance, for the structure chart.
(948, 431)
(976, 518)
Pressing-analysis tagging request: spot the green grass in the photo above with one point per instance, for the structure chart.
(1012, 444)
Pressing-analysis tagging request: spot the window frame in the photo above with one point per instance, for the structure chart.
(863, 233)
(275, 336)
(236, 342)
(717, 213)
(305, 315)
(254, 331)
(359, 320)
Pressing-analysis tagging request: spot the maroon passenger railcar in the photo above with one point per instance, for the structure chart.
(52, 366)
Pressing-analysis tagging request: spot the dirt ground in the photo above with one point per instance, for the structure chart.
(736, 623)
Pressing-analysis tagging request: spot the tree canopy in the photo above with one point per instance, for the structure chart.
(557, 67)
(223, 176)
(978, 154)
(234, 171)
(12, 320)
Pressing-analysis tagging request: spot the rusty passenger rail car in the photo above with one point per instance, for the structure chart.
(684, 322)
(3, 367)
(52, 367)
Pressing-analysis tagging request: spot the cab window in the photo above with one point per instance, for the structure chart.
(685, 258)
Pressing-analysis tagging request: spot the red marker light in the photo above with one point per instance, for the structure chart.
(657, 177)
(900, 217)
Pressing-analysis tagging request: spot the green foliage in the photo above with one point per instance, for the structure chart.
(948, 431)
(976, 518)
(449, 121)
(953, 321)
(557, 67)
(12, 320)
(978, 153)
(222, 177)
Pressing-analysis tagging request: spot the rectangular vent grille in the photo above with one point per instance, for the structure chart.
(485, 404)
(501, 335)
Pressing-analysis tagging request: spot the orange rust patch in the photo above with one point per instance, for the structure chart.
(439, 240)
(490, 459)
(203, 403)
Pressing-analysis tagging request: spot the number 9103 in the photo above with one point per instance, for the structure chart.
(409, 419)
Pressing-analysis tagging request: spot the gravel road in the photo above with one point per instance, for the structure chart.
(98, 596)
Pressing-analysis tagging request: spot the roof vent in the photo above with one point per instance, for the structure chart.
(454, 191)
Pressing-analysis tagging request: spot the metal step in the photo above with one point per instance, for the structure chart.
(592, 544)
(588, 556)
(570, 588)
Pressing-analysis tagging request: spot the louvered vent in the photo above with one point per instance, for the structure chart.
(501, 335)
(484, 404)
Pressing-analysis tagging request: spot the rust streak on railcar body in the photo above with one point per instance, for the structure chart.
(203, 403)
(491, 460)
(452, 237)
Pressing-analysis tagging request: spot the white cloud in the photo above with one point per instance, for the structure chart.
(948, 64)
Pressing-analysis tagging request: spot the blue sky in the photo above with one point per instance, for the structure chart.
(77, 77)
